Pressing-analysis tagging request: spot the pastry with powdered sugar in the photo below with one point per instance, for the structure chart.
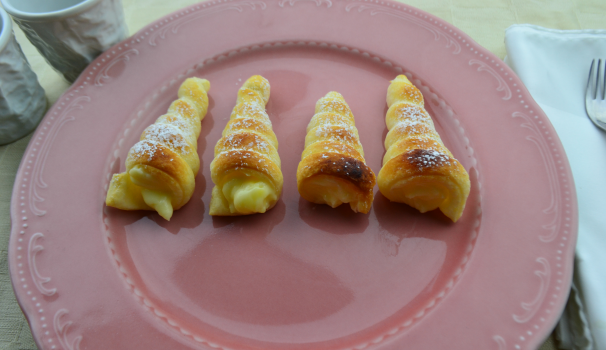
(332, 170)
(246, 167)
(161, 167)
(417, 168)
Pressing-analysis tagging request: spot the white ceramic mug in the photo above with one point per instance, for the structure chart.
(22, 99)
(69, 33)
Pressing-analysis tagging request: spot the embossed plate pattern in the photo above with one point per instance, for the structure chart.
(301, 276)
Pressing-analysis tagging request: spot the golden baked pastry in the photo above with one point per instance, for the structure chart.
(246, 168)
(161, 167)
(417, 168)
(332, 169)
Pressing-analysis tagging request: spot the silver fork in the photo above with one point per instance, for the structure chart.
(595, 94)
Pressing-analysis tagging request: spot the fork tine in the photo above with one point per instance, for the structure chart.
(595, 93)
(589, 91)
(604, 83)
(598, 82)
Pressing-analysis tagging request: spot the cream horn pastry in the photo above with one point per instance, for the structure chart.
(246, 168)
(332, 169)
(161, 167)
(417, 168)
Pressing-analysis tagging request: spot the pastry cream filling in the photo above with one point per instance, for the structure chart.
(248, 195)
(421, 193)
(324, 189)
(155, 191)
(141, 177)
(160, 201)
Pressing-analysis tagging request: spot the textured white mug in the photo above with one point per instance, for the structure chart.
(69, 33)
(22, 99)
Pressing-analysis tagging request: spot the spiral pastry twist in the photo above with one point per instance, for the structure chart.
(161, 167)
(332, 170)
(246, 168)
(417, 168)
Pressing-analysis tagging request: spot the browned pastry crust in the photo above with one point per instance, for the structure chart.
(161, 167)
(332, 169)
(417, 168)
(341, 166)
(246, 168)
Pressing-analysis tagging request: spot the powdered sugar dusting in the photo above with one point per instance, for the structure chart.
(332, 132)
(184, 108)
(333, 127)
(250, 109)
(169, 135)
(407, 112)
(183, 124)
(412, 126)
(260, 86)
(241, 159)
(409, 92)
(236, 141)
(326, 130)
(145, 149)
(328, 104)
(328, 118)
(247, 124)
(425, 159)
(247, 138)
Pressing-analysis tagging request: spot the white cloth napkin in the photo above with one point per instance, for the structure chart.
(554, 65)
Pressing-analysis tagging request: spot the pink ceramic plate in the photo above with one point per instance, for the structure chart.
(301, 276)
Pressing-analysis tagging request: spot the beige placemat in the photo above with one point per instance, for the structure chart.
(484, 20)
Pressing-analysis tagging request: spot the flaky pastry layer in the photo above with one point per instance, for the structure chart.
(332, 170)
(246, 168)
(161, 167)
(418, 169)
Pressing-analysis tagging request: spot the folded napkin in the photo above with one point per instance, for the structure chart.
(554, 65)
